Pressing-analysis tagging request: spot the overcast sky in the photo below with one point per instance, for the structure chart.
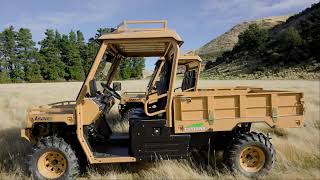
(197, 21)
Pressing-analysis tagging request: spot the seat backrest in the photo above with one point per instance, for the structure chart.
(163, 84)
(93, 88)
(189, 80)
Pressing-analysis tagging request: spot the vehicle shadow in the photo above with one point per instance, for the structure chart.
(14, 151)
(198, 163)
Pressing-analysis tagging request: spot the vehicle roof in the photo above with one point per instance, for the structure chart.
(187, 58)
(141, 41)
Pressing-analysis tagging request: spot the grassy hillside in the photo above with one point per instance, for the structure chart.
(286, 51)
(229, 39)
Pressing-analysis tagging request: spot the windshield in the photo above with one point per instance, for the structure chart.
(153, 76)
(102, 72)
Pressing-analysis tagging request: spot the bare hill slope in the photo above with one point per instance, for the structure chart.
(289, 50)
(230, 38)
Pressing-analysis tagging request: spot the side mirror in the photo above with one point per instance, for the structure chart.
(116, 86)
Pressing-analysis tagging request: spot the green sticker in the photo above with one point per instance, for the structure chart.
(195, 125)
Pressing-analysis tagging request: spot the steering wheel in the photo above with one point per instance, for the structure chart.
(110, 91)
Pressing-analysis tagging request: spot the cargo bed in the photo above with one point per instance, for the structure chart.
(221, 109)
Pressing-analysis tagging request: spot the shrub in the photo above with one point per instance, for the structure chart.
(252, 38)
(4, 77)
(290, 39)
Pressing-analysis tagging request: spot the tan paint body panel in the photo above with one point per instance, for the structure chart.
(62, 112)
(142, 34)
(138, 97)
(222, 110)
(90, 111)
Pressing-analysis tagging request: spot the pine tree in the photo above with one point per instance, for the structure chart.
(1, 47)
(9, 58)
(28, 56)
(80, 38)
(24, 42)
(138, 66)
(57, 39)
(102, 31)
(125, 68)
(61, 57)
(52, 68)
(90, 53)
(4, 75)
(83, 50)
(63, 48)
(74, 69)
(32, 68)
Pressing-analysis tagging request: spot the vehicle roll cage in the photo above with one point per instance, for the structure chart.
(138, 42)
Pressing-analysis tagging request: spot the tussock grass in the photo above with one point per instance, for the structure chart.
(298, 155)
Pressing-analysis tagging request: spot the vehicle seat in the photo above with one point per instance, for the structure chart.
(136, 115)
(163, 85)
(93, 88)
(189, 80)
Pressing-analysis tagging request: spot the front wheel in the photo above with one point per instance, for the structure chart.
(250, 154)
(53, 158)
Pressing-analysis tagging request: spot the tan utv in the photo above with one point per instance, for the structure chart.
(188, 64)
(170, 124)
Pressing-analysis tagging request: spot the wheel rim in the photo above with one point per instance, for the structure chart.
(252, 159)
(52, 164)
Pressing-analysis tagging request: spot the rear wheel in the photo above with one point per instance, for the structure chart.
(250, 154)
(53, 158)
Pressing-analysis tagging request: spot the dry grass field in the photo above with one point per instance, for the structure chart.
(298, 150)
